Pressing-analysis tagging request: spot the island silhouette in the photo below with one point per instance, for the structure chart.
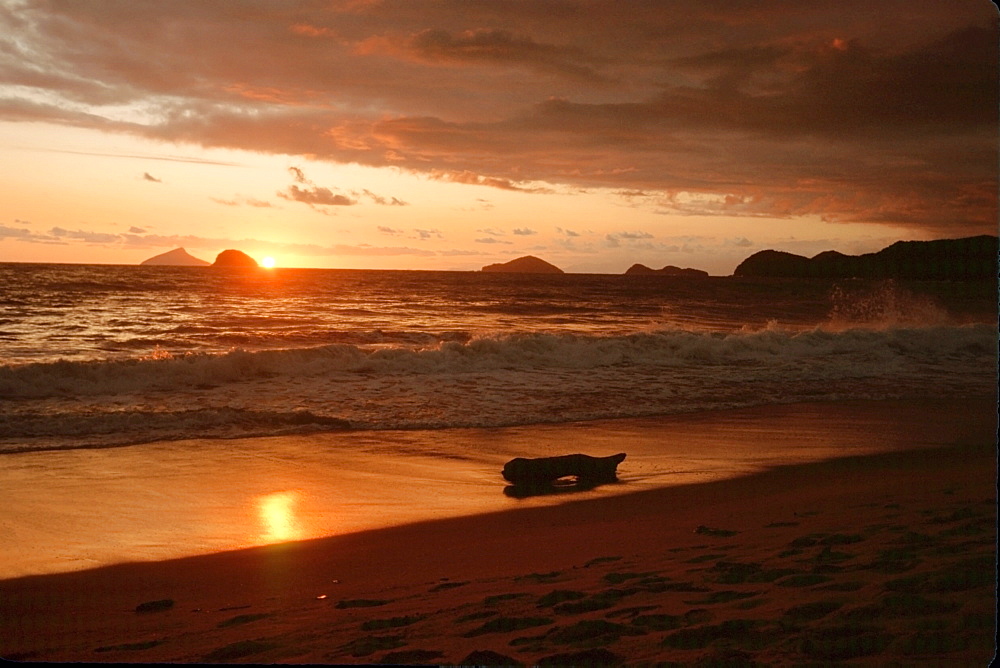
(175, 258)
(669, 270)
(235, 259)
(529, 264)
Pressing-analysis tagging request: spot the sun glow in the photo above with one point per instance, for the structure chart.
(267, 262)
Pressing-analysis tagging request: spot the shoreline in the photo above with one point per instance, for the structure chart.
(73, 510)
(893, 551)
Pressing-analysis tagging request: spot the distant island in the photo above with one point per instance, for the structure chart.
(235, 259)
(669, 270)
(175, 258)
(967, 259)
(529, 264)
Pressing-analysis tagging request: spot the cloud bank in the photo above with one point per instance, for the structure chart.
(852, 111)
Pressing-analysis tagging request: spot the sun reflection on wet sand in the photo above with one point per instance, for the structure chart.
(277, 515)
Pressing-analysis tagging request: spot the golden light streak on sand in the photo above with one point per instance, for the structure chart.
(277, 515)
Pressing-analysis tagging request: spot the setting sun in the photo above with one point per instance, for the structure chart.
(267, 262)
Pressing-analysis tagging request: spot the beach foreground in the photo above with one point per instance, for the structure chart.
(886, 557)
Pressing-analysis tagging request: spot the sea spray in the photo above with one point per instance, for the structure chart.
(883, 304)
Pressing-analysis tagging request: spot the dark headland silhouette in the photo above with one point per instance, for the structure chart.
(529, 264)
(967, 259)
(176, 258)
(669, 270)
(235, 259)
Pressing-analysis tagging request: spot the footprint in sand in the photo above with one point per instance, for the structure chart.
(160, 605)
(659, 622)
(803, 580)
(486, 657)
(129, 646)
(724, 596)
(391, 623)
(714, 532)
(593, 632)
(368, 645)
(360, 603)
(481, 614)
(445, 586)
(599, 601)
(841, 643)
(748, 633)
(600, 560)
(492, 601)
(539, 577)
(239, 650)
(558, 596)
(615, 578)
(411, 657)
(631, 613)
(241, 619)
(508, 624)
(809, 612)
(590, 657)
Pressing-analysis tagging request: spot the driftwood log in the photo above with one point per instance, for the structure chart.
(586, 469)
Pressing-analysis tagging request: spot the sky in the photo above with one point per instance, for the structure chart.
(451, 134)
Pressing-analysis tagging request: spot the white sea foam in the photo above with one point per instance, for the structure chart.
(525, 352)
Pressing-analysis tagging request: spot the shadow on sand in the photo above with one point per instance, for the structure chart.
(560, 486)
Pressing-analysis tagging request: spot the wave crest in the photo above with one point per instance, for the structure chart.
(521, 352)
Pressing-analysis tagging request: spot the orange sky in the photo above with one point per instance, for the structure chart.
(456, 133)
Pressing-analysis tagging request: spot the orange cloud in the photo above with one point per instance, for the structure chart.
(316, 196)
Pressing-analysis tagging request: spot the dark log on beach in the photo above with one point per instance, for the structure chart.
(522, 471)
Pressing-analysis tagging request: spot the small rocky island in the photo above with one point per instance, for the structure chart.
(175, 258)
(235, 259)
(669, 270)
(529, 264)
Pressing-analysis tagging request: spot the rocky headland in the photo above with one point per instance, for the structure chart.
(967, 259)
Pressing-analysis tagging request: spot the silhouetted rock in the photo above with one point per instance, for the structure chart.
(529, 264)
(177, 257)
(234, 258)
(971, 258)
(546, 469)
(669, 270)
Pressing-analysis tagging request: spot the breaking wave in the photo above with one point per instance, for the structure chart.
(514, 352)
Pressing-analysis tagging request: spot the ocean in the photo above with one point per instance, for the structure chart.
(100, 356)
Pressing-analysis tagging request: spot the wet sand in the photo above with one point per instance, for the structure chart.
(81, 509)
(882, 557)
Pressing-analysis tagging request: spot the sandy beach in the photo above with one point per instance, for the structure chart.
(885, 558)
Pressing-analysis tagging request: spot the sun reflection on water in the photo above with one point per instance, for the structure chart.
(277, 515)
